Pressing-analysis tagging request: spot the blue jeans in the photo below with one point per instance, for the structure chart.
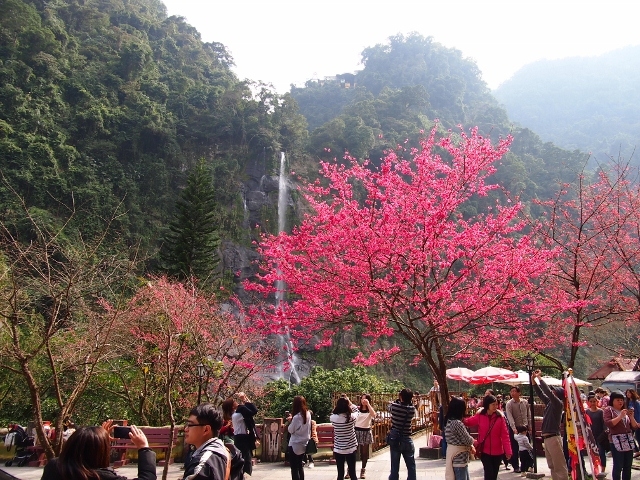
(622, 462)
(461, 473)
(406, 450)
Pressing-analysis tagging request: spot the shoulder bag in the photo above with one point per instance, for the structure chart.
(480, 445)
(394, 436)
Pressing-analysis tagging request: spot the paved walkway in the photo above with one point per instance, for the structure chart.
(377, 469)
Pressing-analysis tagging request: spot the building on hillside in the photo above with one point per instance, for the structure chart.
(616, 364)
(345, 80)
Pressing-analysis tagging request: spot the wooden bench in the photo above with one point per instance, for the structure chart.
(325, 438)
(158, 438)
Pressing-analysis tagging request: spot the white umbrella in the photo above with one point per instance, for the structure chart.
(554, 382)
(581, 383)
(521, 379)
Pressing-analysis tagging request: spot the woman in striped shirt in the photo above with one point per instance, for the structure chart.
(345, 443)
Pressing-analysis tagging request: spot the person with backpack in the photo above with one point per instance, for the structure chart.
(212, 459)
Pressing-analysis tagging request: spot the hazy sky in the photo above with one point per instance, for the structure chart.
(285, 41)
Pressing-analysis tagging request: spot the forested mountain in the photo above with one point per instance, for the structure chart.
(107, 105)
(113, 114)
(404, 86)
(588, 103)
(110, 101)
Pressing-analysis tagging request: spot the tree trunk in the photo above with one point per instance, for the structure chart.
(165, 470)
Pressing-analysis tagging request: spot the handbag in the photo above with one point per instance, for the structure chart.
(479, 445)
(623, 442)
(603, 440)
(394, 436)
(312, 447)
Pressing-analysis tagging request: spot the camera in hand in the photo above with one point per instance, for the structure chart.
(121, 432)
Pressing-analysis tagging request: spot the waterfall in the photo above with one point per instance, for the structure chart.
(285, 339)
(282, 194)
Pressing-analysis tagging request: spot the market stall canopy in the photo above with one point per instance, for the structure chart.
(490, 375)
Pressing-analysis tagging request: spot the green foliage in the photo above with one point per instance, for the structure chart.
(103, 102)
(190, 247)
(317, 388)
(406, 84)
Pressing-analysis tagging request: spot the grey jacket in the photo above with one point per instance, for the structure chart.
(553, 409)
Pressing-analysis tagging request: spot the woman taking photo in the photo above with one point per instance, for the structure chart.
(299, 433)
(345, 443)
(86, 456)
(493, 437)
(621, 423)
(363, 430)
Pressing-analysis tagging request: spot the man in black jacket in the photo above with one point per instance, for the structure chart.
(211, 460)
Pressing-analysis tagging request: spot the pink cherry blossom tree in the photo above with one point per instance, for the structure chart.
(595, 228)
(173, 327)
(390, 250)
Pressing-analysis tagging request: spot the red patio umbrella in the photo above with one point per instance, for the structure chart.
(459, 373)
(491, 374)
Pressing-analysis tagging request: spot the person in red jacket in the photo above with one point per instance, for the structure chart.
(493, 436)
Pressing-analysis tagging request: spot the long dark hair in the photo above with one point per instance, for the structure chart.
(486, 401)
(87, 450)
(299, 406)
(228, 408)
(343, 407)
(457, 409)
(360, 407)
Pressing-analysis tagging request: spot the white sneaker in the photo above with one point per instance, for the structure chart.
(311, 465)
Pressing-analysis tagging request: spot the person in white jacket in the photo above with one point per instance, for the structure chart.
(299, 433)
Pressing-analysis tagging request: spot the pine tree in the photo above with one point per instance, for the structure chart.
(190, 246)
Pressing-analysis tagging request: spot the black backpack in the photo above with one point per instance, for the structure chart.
(237, 462)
